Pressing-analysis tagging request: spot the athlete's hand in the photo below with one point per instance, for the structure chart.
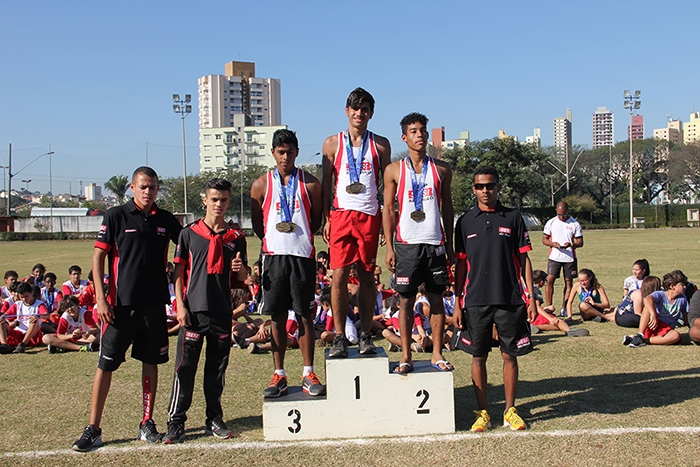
(77, 333)
(390, 261)
(33, 319)
(104, 312)
(652, 321)
(553, 320)
(327, 231)
(237, 263)
(183, 315)
(457, 314)
(531, 310)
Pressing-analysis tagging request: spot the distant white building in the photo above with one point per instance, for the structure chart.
(93, 192)
(535, 139)
(603, 128)
(461, 142)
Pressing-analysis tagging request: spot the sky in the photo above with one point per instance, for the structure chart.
(92, 81)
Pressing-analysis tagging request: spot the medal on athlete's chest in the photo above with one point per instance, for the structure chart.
(287, 196)
(286, 227)
(355, 188)
(355, 164)
(417, 186)
(418, 216)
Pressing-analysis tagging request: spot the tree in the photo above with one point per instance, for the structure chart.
(684, 172)
(118, 185)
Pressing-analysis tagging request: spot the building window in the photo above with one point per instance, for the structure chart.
(207, 147)
(207, 137)
(218, 136)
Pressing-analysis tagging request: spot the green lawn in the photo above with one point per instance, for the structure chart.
(590, 383)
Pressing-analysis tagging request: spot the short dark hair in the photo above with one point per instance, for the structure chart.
(50, 275)
(147, 171)
(25, 287)
(219, 184)
(75, 267)
(90, 276)
(323, 254)
(413, 117)
(673, 278)
(325, 296)
(11, 273)
(67, 302)
(284, 136)
(39, 266)
(357, 97)
(538, 276)
(487, 170)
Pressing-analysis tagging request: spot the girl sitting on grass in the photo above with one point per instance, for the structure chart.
(629, 310)
(594, 304)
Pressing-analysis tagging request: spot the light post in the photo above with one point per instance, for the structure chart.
(11, 175)
(183, 108)
(632, 103)
(26, 182)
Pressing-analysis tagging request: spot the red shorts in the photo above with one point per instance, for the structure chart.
(540, 320)
(661, 330)
(15, 336)
(354, 238)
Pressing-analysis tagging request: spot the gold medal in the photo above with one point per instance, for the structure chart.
(355, 188)
(418, 216)
(286, 227)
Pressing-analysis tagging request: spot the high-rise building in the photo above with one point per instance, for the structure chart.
(692, 129)
(673, 132)
(562, 135)
(93, 192)
(221, 97)
(636, 130)
(535, 139)
(603, 129)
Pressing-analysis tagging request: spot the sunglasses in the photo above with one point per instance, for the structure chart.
(489, 186)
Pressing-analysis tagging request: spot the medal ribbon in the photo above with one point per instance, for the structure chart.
(355, 165)
(417, 182)
(287, 195)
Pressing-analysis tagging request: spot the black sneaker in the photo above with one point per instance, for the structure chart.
(239, 341)
(95, 346)
(627, 340)
(339, 349)
(577, 332)
(311, 385)
(366, 345)
(254, 349)
(148, 432)
(5, 349)
(637, 341)
(21, 348)
(218, 428)
(53, 349)
(91, 438)
(175, 434)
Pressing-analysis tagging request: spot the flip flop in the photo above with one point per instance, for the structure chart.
(445, 363)
(403, 368)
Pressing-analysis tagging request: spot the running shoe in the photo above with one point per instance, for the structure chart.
(626, 340)
(512, 420)
(239, 341)
(483, 421)
(311, 385)
(578, 332)
(53, 349)
(91, 438)
(218, 428)
(6, 349)
(367, 347)
(277, 387)
(254, 349)
(148, 432)
(339, 349)
(175, 433)
(637, 341)
(21, 348)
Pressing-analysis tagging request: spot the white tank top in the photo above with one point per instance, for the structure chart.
(297, 243)
(428, 231)
(367, 200)
(24, 312)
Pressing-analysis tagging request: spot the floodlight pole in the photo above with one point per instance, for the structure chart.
(183, 108)
(632, 103)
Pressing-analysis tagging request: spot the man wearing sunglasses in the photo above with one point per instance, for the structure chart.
(562, 234)
(491, 245)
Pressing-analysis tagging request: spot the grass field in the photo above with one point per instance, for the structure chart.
(587, 400)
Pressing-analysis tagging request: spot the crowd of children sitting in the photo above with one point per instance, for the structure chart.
(33, 311)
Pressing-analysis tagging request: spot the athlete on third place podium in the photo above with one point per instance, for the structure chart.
(286, 211)
(352, 163)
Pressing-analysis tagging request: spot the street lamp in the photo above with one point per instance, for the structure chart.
(27, 182)
(10, 175)
(184, 108)
(632, 103)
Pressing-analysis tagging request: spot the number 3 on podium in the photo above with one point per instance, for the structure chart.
(297, 418)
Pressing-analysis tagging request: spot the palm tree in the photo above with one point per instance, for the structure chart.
(118, 185)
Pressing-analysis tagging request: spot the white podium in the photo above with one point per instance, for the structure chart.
(365, 398)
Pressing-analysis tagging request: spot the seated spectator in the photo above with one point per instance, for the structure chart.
(74, 286)
(391, 317)
(76, 329)
(10, 277)
(87, 298)
(242, 331)
(640, 270)
(629, 311)
(546, 320)
(50, 294)
(378, 277)
(260, 342)
(693, 322)
(14, 297)
(350, 330)
(594, 304)
(322, 257)
(37, 275)
(20, 327)
(664, 310)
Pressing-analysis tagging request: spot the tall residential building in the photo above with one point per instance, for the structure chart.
(93, 192)
(562, 135)
(221, 97)
(692, 129)
(673, 132)
(535, 139)
(636, 130)
(603, 130)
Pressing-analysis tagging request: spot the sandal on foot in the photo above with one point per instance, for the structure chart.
(403, 368)
(446, 366)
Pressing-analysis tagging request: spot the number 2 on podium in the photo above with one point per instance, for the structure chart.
(423, 393)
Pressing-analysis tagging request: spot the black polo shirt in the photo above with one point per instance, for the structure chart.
(490, 242)
(204, 291)
(137, 245)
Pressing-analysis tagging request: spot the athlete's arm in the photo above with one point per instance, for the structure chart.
(104, 311)
(578, 242)
(525, 260)
(384, 149)
(183, 314)
(313, 186)
(330, 145)
(447, 210)
(388, 215)
(257, 197)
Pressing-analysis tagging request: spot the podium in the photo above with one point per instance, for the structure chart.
(365, 398)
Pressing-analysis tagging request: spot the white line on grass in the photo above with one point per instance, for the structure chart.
(233, 446)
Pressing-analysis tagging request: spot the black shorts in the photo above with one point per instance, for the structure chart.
(555, 267)
(511, 323)
(288, 282)
(418, 264)
(145, 327)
